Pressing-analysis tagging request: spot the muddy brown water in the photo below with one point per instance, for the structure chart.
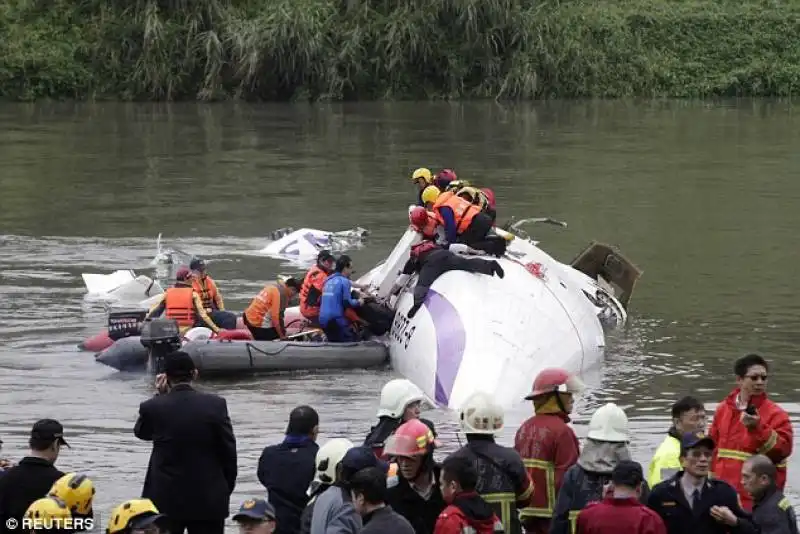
(703, 196)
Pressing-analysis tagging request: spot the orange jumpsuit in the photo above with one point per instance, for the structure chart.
(773, 437)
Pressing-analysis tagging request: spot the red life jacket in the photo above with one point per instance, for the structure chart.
(422, 248)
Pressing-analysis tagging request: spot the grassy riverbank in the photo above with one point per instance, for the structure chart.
(421, 49)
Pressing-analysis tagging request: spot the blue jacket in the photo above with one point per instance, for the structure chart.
(336, 295)
(450, 228)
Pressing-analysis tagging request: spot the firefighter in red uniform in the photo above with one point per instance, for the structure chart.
(748, 423)
(547, 445)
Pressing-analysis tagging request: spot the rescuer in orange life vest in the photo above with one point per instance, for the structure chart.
(431, 261)
(311, 291)
(747, 422)
(465, 222)
(206, 287)
(264, 316)
(183, 304)
(547, 445)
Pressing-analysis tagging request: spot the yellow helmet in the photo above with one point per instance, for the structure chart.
(76, 490)
(44, 512)
(430, 194)
(422, 174)
(122, 515)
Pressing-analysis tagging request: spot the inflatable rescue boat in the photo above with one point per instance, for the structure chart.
(476, 332)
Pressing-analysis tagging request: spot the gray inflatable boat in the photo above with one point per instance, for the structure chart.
(226, 357)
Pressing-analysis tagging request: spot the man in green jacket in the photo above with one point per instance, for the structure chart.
(688, 415)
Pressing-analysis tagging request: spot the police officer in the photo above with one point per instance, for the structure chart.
(690, 502)
(772, 512)
(503, 481)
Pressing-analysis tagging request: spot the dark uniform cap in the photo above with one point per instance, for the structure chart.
(359, 458)
(257, 509)
(690, 440)
(48, 430)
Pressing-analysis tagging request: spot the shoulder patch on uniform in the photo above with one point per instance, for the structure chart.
(784, 503)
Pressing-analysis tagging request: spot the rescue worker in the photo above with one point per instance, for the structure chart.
(444, 178)
(48, 514)
(747, 423)
(257, 516)
(137, 516)
(620, 510)
(77, 492)
(206, 287)
(311, 290)
(547, 444)
(400, 402)
(182, 304)
(425, 223)
(336, 298)
(503, 481)
(455, 185)
(334, 511)
(691, 502)
(35, 474)
(772, 511)
(431, 261)
(465, 223)
(688, 415)
(491, 208)
(429, 196)
(422, 178)
(368, 493)
(466, 510)
(416, 495)
(264, 317)
(287, 469)
(327, 461)
(606, 445)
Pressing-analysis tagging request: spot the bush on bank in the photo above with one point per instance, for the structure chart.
(409, 49)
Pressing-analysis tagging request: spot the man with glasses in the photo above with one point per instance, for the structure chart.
(748, 423)
(691, 502)
(688, 415)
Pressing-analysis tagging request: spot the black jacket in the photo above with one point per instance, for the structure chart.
(286, 470)
(386, 521)
(23, 484)
(420, 513)
(192, 470)
(774, 514)
(668, 500)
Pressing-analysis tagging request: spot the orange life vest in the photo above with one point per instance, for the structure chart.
(463, 210)
(311, 292)
(267, 308)
(179, 305)
(207, 290)
(429, 230)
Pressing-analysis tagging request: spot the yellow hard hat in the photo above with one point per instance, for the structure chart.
(422, 174)
(122, 515)
(47, 509)
(76, 490)
(430, 194)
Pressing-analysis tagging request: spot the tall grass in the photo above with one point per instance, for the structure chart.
(402, 49)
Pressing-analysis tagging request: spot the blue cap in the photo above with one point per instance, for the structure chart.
(359, 458)
(258, 509)
(691, 440)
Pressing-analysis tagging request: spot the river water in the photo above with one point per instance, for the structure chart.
(703, 196)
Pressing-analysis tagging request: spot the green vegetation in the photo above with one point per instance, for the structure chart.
(409, 49)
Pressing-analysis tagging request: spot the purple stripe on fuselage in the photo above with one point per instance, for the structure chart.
(451, 341)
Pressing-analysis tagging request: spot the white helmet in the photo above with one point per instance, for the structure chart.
(396, 395)
(199, 333)
(480, 414)
(609, 423)
(329, 456)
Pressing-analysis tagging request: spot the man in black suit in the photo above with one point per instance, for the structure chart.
(192, 470)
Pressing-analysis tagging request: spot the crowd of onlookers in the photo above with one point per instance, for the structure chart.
(728, 479)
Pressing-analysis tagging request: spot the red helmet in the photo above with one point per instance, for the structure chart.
(418, 217)
(183, 274)
(447, 175)
(489, 196)
(555, 380)
(413, 438)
